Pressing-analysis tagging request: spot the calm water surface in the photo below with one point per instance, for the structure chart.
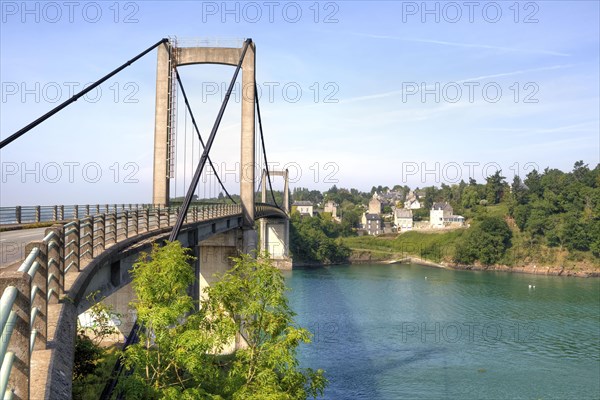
(412, 332)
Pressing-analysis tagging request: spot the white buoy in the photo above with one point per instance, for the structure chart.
(529, 286)
(534, 286)
(425, 278)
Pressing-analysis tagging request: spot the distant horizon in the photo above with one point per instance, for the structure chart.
(292, 187)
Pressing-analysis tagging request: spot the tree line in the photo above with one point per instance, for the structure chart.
(549, 209)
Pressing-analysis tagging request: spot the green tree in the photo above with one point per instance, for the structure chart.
(520, 214)
(179, 353)
(431, 195)
(470, 197)
(253, 291)
(313, 239)
(518, 190)
(576, 236)
(495, 187)
(534, 183)
(487, 242)
(350, 220)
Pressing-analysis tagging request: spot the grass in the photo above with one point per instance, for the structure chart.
(497, 210)
(434, 246)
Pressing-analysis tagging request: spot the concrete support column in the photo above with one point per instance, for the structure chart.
(247, 145)
(286, 208)
(160, 195)
(215, 256)
(286, 192)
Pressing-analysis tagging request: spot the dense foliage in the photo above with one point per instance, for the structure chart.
(93, 362)
(550, 217)
(316, 239)
(560, 209)
(180, 354)
(486, 241)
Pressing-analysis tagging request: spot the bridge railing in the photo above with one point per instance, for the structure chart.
(65, 213)
(24, 310)
(36, 214)
(8, 318)
(66, 248)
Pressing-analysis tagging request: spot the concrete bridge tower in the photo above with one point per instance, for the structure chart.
(171, 56)
(275, 232)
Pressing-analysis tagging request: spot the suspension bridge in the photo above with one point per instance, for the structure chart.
(47, 273)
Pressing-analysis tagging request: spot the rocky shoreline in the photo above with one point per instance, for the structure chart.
(366, 258)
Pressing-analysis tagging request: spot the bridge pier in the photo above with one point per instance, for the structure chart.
(215, 259)
(275, 239)
(275, 232)
(215, 256)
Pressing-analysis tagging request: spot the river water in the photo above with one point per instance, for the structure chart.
(406, 331)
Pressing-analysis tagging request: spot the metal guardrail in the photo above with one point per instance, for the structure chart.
(66, 248)
(34, 214)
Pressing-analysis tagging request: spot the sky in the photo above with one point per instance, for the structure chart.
(353, 93)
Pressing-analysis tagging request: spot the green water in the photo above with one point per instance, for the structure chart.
(412, 332)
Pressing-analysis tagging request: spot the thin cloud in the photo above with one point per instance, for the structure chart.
(560, 129)
(472, 79)
(466, 45)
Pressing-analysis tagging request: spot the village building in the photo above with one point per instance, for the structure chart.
(403, 219)
(305, 208)
(442, 215)
(374, 205)
(331, 207)
(412, 201)
(372, 224)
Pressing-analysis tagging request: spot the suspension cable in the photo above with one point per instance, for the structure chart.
(198, 133)
(75, 97)
(262, 140)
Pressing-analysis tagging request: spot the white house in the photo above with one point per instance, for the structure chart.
(412, 201)
(303, 207)
(442, 215)
(403, 219)
(412, 204)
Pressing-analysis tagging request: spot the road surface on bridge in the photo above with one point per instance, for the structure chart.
(12, 244)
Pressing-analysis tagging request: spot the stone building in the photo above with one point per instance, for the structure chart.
(374, 205)
(331, 207)
(372, 224)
